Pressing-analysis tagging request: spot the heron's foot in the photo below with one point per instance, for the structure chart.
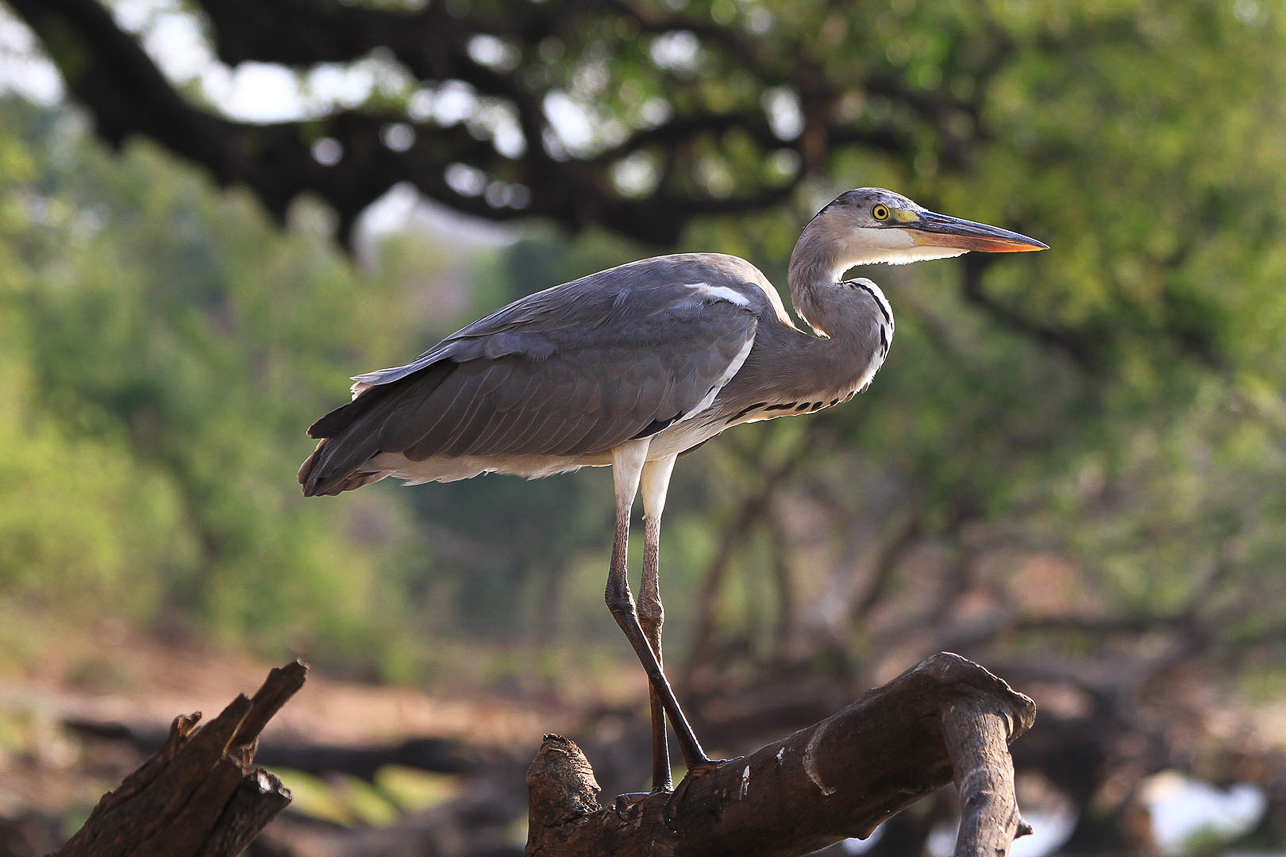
(695, 772)
(626, 804)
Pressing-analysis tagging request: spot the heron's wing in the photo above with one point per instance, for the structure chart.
(567, 390)
(573, 370)
(594, 301)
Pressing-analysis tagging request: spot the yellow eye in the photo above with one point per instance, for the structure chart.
(880, 212)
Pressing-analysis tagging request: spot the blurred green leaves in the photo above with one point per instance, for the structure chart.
(1116, 401)
(164, 349)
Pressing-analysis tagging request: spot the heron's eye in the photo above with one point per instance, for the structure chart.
(880, 212)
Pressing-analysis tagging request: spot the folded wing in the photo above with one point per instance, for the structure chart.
(571, 371)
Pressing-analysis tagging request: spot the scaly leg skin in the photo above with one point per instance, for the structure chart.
(654, 483)
(651, 618)
(628, 466)
(621, 603)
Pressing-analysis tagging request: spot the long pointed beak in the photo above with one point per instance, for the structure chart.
(940, 230)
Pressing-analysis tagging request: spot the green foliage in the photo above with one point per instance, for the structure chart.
(81, 523)
(164, 349)
(1115, 401)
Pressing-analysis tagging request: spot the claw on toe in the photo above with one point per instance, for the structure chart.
(695, 772)
(626, 804)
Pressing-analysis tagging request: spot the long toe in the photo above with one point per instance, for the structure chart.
(627, 804)
(695, 772)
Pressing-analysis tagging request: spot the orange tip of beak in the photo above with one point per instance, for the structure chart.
(939, 230)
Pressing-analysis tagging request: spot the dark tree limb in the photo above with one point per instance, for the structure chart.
(199, 795)
(440, 755)
(944, 719)
(107, 70)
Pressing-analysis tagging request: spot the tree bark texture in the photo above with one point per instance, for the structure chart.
(945, 719)
(199, 795)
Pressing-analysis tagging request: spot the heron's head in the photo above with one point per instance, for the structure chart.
(869, 225)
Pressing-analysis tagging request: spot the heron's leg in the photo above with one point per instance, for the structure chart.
(655, 483)
(627, 466)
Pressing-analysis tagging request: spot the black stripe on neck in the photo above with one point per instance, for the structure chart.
(879, 303)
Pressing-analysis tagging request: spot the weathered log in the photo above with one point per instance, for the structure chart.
(977, 737)
(198, 796)
(944, 719)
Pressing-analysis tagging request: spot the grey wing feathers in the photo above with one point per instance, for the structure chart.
(565, 372)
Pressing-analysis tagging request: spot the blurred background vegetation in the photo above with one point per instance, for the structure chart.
(1072, 467)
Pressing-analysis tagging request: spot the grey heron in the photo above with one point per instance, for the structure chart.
(633, 366)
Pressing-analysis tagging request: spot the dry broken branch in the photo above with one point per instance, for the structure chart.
(944, 719)
(199, 795)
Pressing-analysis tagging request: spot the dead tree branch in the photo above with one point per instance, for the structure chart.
(198, 795)
(977, 737)
(944, 719)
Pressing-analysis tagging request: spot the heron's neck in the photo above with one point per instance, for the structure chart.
(820, 259)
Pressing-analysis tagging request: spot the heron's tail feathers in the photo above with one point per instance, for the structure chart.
(313, 474)
(349, 438)
(354, 433)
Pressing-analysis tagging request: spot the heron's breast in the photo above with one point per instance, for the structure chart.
(773, 405)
